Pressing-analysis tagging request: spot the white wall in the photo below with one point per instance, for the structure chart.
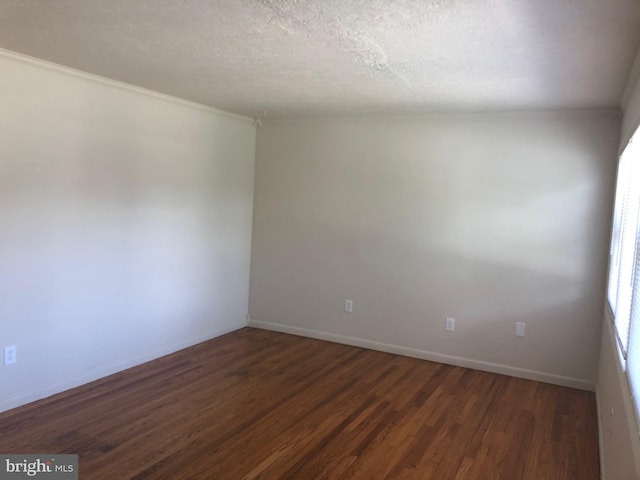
(492, 219)
(619, 440)
(619, 437)
(631, 103)
(126, 225)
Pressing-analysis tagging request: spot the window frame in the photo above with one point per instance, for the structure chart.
(628, 178)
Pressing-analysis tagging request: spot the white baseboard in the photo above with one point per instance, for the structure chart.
(96, 374)
(427, 355)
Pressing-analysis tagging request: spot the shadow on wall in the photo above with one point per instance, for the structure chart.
(402, 295)
(490, 219)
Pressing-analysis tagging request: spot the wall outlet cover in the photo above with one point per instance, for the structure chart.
(348, 306)
(10, 355)
(450, 324)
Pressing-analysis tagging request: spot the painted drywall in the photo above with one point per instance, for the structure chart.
(631, 103)
(490, 218)
(619, 436)
(126, 225)
(619, 439)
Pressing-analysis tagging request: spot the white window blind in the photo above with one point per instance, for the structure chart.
(624, 265)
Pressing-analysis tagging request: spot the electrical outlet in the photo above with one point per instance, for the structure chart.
(450, 324)
(348, 306)
(520, 329)
(10, 355)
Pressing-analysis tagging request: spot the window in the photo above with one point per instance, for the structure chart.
(624, 264)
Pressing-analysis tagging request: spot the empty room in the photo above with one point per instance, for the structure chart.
(320, 239)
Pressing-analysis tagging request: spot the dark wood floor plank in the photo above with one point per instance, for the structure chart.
(261, 405)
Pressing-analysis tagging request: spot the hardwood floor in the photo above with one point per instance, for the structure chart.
(258, 404)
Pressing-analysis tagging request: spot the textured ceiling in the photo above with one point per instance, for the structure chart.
(306, 57)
